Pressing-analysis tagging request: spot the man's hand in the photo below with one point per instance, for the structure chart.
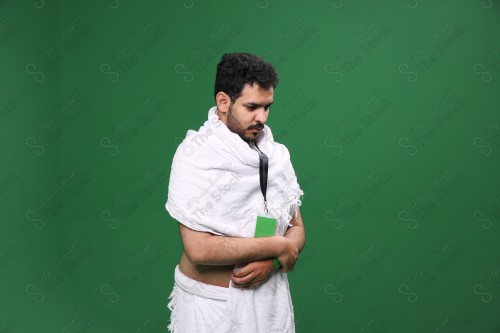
(252, 274)
(289, 255)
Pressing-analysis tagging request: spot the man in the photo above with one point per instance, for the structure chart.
(229, 182)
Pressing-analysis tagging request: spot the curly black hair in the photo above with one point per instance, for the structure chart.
(237, 69)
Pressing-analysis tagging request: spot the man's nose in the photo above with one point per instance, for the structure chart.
(261, 115)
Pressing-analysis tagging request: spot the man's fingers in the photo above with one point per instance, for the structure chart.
(250, 285)
(243, 271)
(242, 280)
(241, 285)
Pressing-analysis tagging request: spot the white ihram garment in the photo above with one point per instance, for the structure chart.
(214, 187)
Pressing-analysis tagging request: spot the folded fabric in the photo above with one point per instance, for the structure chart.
(196, 306)
(214, 187)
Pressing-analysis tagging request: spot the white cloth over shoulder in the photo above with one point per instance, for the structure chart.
(214, 187)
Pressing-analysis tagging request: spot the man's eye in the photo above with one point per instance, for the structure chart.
(252, 108)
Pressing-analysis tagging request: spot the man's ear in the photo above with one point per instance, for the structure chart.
(223, 102)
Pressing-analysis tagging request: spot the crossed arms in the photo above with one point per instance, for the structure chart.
(203, 248)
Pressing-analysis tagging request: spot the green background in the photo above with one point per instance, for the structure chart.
(390, 110)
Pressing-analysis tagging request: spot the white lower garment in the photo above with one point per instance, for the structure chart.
(196, 306)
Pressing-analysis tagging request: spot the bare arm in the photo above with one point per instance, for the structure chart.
(256, 272)
(297, 233)
(203, 248)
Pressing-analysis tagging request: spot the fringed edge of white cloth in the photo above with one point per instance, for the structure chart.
(296, 203)
(171, 306)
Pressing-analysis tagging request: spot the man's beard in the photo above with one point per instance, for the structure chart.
(235, 126)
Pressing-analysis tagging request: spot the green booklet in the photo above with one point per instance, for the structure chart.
(264, 227)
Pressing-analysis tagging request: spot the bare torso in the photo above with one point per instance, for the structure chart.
(218, 275)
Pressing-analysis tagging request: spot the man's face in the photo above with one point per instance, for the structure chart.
(248, 114)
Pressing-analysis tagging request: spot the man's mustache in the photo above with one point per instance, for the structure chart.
(257, 126)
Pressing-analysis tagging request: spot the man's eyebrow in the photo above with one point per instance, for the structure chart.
(252, 104)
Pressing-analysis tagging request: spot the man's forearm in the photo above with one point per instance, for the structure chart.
(222, 250)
